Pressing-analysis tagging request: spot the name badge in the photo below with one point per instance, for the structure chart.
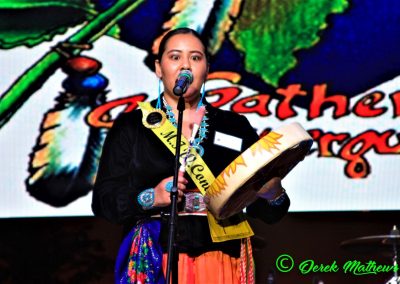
(228, 141)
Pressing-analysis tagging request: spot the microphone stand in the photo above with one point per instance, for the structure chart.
(173, 256)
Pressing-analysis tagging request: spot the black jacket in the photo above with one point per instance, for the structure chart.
(134, 159)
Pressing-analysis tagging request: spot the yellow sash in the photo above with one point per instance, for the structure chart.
(155, 119)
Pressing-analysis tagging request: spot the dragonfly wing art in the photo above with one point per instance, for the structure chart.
(64, 159)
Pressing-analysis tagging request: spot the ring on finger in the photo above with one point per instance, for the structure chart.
(168, 186)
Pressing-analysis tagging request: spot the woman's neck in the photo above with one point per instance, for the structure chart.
(172, 101)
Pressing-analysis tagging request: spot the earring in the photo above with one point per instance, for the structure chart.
(203, 92)
(158, 106)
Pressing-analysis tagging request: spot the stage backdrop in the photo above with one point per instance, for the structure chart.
(68, 68)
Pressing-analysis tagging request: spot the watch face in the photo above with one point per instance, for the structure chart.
(279, 200)
(146, 198)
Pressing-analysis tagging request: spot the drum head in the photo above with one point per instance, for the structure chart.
(278, 167)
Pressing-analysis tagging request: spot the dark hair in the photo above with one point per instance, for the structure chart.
(177, 31)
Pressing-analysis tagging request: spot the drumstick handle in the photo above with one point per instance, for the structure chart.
(191, 140)
(194, 132)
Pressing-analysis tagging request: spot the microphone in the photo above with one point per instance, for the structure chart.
(185, 78)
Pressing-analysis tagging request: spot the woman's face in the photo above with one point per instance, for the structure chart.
(183, 51)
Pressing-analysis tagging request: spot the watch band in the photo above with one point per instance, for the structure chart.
(279, 199)
(146, 198)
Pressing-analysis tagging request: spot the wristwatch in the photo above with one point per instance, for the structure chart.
(279, 199)
(146, 198)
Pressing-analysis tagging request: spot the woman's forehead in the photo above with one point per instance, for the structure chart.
(184, 42)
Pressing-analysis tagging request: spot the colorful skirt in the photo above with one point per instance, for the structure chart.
(140, 260)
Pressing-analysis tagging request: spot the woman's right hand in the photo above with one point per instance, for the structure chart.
(162, 197)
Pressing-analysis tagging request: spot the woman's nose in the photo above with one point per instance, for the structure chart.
(186, 64)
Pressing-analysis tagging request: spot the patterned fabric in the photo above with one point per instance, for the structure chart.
(139, 258)
(247, 271)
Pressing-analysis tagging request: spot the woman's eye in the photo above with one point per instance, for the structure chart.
(196, 57)
(175, 57)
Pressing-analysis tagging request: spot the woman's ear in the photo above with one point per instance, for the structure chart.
(158, 68)
(208, 69)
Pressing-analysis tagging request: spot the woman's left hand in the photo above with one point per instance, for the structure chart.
(271, 189)
(162, 196)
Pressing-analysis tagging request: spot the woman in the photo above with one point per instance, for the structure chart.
(136, 170)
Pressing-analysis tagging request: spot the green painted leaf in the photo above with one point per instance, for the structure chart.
(30, 22)
(270, 31)
(114, 32)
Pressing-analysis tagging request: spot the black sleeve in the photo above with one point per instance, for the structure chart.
(114, 197)
(267, 213)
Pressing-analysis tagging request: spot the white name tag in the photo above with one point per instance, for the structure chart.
(228, 141)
